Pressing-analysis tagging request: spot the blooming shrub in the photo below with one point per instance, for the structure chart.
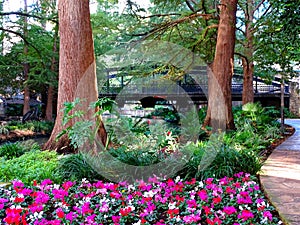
(233, 201)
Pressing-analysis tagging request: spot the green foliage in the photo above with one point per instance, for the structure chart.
(104, 104)
(256, 115)
(14, 110)
(11, 150)
(169, 115)
(36, 126)
(287, 114)
(227, 161)
(3, 130)
(34, 165)
(278, 40)
(75, 167)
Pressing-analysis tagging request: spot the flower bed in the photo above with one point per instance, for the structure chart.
(233, 201)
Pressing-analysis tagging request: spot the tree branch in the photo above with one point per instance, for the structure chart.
(239, 29)
(190, 5)
(28, 15)
(205, 33)
(174, 23)
(160, 15)
(258, 5)
(242, 56)
(22, 37)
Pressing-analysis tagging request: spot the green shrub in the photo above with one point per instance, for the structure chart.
(34, 165)
(224, 161)
(256, 115)
(75, 167)
(11, 150)
(36, 126)
(229, 161)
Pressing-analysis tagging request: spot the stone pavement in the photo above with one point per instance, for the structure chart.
(280, 177)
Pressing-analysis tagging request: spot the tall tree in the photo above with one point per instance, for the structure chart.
(77, 74)
(220, 79)
(26, 106)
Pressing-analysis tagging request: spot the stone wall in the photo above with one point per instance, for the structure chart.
(294, 98)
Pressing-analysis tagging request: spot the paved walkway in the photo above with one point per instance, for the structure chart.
(280, 177)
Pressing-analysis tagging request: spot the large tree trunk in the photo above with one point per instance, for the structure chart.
(26, 106)
(77, 69)
(219, 113)
(247, 61)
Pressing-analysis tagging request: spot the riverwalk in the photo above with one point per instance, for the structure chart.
(280, 177)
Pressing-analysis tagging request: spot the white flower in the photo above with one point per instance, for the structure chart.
(130, 187)
(149, 194)
(86, 199)
(137, 223)
(172, 205)
(200, 184)
(177, 179)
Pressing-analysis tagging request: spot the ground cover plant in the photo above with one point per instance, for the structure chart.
(234, 201)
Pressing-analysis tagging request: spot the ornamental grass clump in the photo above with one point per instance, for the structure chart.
(230, 200)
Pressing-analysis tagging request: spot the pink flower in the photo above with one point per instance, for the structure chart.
(104, 207)
(59, 194)
(191, 218)
(86, 208)
(229, 210)
(13, 216)
(268, 215)
(71, 216)
(67, 185)
(245, 215)
(36, 208)
(116, 219)
(2, 201)
(41, 198)
(202, 195)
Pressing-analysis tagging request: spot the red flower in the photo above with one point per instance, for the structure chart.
(18, 200)
(217, 200)
(125, 211)
(60, 213)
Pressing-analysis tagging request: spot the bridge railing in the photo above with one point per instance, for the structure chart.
(192, 89)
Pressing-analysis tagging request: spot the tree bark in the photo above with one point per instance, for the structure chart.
(247, 62)
(26, 106)
(219, 114)
(77, 69)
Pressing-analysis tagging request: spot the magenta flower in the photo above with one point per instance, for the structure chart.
(191, 219)
(67, 185)
(71, 216)
(2, 201)
(116, 219)
(202, 195)
(268, 215)
(59, 193)
(41, 198)
(229, 210)
(245, 215)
